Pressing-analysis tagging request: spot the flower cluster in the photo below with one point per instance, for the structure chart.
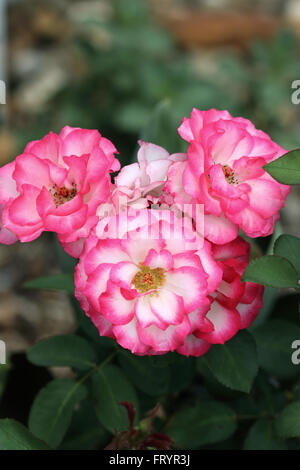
(160, 258)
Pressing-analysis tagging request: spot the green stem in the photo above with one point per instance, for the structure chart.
(254, 417)
(97, 367)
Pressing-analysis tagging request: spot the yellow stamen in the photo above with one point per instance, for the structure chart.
(148, 279)
(229, 175)
(62, 194)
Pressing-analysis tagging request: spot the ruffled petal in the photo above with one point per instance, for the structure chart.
(226, 324)
(193, 346)
(164, 340)
(113, 305)
(190, 283)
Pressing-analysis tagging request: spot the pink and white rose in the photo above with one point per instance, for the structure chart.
(143, 182)
(153, 295)
(233, 305)
(56, 185)
(224, 172)
(142, 290)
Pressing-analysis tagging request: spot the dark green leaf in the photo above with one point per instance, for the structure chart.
(205, 423)
(14, 436)
(213, 386)
(110, 386)
(286, 169)
(288, 246)
(64, 350)
(64, 282)
(272, 271)
(274, 345)
(182, 373)
(51, 412)
(269, 399)
(92, 438)
(288, 422)
(164, 360)
(234, 363)
(262, 436)
(145, 376)
(85, 431)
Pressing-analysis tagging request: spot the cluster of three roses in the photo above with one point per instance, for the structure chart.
(153, 294)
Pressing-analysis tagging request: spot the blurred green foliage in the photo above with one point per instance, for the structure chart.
(128, 64)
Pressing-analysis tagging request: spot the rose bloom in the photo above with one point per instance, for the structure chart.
(233, 306)
(145, 287)
(56, 185)
(224, 172)
(161, 294)
(142, 182)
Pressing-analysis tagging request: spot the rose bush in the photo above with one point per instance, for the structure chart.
(161, 295)
(169, 273)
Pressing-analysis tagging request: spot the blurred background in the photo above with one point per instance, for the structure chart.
(119, 66)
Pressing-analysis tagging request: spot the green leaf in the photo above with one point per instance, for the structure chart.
(144, 375)
(268, 398)
(274, 345)
(286, 169)
(94, 438)
(64, 282)
(14, 436)
(234, 363)
(288, 422)
(85, 431)
(164, 360)
(182, 373)
(262, 436)
(110, 386)
(272, 271)
(205, 423)
(212, 386)
(288, 247)
(64, 350)
(51, 412)
(278, 231)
